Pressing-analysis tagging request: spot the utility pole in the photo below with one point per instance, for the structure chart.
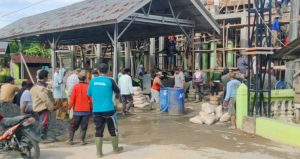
(293, 29)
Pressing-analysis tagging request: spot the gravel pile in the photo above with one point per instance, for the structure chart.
(56, 127)
(9, 109)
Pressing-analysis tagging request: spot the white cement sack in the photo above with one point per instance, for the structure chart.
(137, 93)
(225, 117)
(141, 105)
(138, 99)
(138, 103)
(204, 105)
(203, 116)
(136, 89)
(196, 120)
(210, 120)
(208, 109)
(218, 111)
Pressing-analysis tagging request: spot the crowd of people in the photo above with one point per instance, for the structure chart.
(83, 100)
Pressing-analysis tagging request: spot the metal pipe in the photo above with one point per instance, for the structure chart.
(115, 59)
(182, 29)
(128, 25)
(249, 84)
(111, 39)
(150, 6)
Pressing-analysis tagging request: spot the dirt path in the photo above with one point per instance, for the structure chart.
(153, 152)
(147, 135)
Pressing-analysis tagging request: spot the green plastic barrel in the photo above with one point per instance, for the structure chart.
(216, 76)
(230, 54)
(205, 59)
(2, 78)
(205, 56)
(213, 46)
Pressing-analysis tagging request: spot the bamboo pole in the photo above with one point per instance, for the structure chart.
(25, 64)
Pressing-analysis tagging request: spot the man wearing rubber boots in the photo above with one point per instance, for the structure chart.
(101, 90)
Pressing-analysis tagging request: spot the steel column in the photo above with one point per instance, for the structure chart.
(53, 45)
(259, 34)
(115, 59)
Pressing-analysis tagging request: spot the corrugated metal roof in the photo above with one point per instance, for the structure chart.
(79, 23)
(78, 15)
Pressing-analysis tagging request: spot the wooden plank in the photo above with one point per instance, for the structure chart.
(258, 53)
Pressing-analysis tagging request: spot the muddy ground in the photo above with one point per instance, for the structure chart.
(147, 134)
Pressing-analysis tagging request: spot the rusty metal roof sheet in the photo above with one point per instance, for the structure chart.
(15, 57)
(89, 12)
(80, 22)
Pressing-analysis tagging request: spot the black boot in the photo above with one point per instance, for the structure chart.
(71, 137)
(82, 137)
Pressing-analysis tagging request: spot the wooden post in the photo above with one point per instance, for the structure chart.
(193, 49)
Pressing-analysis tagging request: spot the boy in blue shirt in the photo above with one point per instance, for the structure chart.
(101, 90)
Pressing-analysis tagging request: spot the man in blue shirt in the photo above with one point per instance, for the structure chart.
(230, 98)
(275, 31)
(101, 90)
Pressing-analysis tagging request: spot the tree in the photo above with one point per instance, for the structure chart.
(31, 49)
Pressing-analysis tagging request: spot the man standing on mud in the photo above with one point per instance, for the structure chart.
(230, 98)
(42, 102)
(125, 85)
(101, 90)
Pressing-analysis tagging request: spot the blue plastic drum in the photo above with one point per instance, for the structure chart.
(164, 99)
(176, 101)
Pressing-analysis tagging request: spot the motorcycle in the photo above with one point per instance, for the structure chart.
(18, 135)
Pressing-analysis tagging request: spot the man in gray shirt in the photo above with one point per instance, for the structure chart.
(179, 78)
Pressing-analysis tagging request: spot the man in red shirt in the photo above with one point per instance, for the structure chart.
(156, 88)
(82, 106)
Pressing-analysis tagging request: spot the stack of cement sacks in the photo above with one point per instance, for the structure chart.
(210, 114)
(140, 100)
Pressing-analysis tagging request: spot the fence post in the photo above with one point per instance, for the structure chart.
(241, 104)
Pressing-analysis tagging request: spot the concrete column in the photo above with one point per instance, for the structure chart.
(293, 29)
(72, 49)
(161, 47)
(98, 53)
(244, 32)
(127, 54)
(146, 54)
(152, 53)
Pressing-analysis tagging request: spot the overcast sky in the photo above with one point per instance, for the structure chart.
(12, 10)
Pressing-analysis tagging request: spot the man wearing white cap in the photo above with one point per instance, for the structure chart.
(156, 88)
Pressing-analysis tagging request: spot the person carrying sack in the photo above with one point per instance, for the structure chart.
(81, 104)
